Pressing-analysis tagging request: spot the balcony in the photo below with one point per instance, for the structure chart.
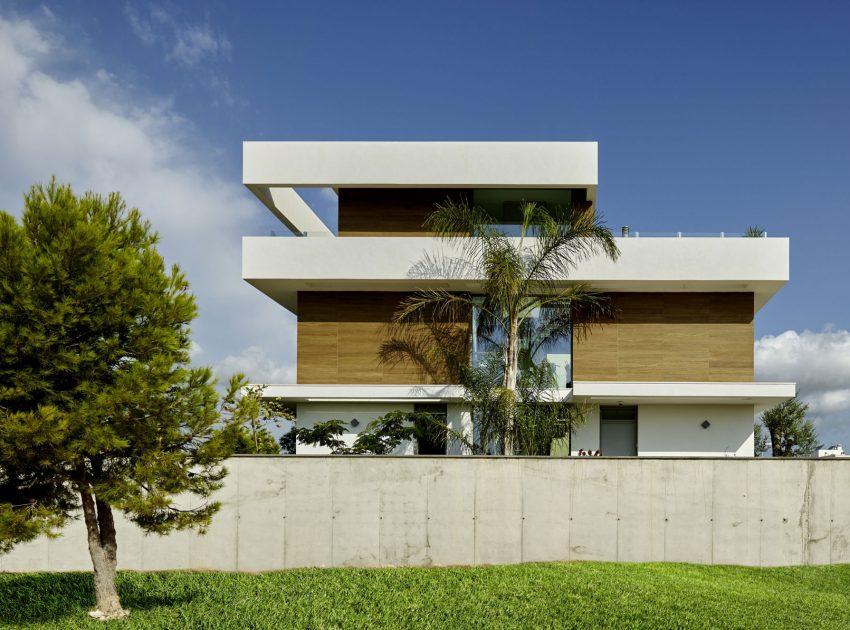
(280, 267)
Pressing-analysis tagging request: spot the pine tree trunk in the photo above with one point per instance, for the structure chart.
(103, 550)
(511, 374)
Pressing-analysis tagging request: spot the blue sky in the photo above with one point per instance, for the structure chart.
(709, 118)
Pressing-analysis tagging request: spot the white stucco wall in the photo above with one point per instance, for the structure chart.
(675, 430)
(663, 430)
(667, 430)
(308, 414)
(460, 420)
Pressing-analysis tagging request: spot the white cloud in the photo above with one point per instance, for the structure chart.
(255, 362)
(47, 13)
(195, 349)
(819, 362)
(829, 402)
(21, 47)
(186, 43)
(222, 92)
(88, 132)
(142, 28)
(193, 42)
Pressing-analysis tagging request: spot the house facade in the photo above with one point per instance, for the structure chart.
(670, 375)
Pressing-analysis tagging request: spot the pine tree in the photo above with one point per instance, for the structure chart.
(259, 414)
(99, 407)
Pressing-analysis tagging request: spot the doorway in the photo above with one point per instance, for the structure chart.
(618, 431)
(433, 436)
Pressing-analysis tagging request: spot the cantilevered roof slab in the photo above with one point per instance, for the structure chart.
(420, 164)
(762, 395)
(271, 170)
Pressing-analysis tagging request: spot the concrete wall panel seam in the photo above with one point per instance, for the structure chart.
(286, 512)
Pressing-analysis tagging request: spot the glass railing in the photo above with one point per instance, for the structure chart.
(644, 234)
(514, 231)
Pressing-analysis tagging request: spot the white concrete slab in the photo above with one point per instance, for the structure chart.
(308, 533)
(262, 515)
(498, 511)
(356, 499)
(636, 535)
(546, 499)
(451, 512)
(402, 521)
(688, 500)
(593, 528)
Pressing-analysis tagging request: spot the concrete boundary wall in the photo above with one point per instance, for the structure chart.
(304, 511)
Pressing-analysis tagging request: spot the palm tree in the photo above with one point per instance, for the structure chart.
(790, 433)
(525, 302)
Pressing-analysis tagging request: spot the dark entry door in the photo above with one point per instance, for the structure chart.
(618, 431)
(432, 435)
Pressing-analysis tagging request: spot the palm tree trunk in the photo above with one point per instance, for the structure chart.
(510, 383)
(775, 445)
(103, 550)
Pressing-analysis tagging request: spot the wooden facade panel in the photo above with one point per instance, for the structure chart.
(317, 349)
(357, 359)
(670, 337)
(602, 362)
(340, 336)
(728, 356)
(390, 211)
(655, 337)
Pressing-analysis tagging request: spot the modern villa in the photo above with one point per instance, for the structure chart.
(671, 375)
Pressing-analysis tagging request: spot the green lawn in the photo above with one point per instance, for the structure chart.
(581, 595)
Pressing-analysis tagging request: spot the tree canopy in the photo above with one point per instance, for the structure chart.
(259, 414)
(100, 408)
(382, 436)
(790, 433)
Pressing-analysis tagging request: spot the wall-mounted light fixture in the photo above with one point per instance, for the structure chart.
(705, 424)
(354, 422)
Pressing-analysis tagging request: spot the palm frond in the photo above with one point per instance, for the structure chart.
(571, 236)
(443, 266)
(439, 351)
(524, 294)
(470, 227)
(433, 305)
(504, 275)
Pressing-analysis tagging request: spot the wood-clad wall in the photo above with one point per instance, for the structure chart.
(670, 337)
(391, 211)
(340, 335)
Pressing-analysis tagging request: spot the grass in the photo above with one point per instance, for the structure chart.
(557, 595)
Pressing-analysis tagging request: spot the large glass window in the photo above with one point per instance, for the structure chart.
(545, 336)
